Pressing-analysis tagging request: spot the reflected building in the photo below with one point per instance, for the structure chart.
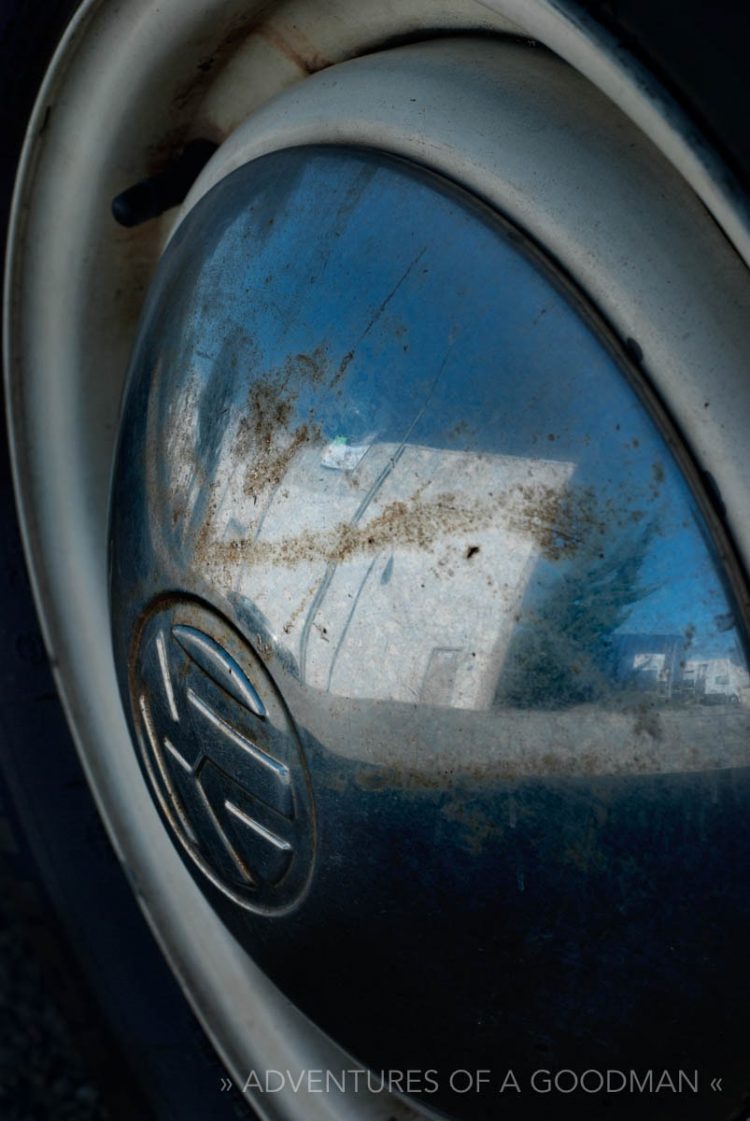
(717, 680)
(660, 664)
(391, 572)
(650, 661)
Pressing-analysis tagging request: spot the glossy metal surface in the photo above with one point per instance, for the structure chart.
(380, 460)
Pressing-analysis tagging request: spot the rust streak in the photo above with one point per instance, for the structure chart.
(302, 54)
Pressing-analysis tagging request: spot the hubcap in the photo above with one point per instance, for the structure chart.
(414, 618)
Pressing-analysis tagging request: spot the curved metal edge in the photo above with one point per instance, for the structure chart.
(593, 51)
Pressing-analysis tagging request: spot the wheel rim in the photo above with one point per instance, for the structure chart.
(82, 464)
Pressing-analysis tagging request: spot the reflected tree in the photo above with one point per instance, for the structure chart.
(563, 649)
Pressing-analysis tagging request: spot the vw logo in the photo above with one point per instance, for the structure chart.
(222, 756)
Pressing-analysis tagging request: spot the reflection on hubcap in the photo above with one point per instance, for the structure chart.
(372, 429)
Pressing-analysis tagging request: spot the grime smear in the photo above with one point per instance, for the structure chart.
(558, 524)
(266, 439)
(416, 523)
(295, 47)
(382, 557)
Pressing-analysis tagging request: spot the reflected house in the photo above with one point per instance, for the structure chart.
(652, 662)
(717, 679)
(659, 663)
(391, 572)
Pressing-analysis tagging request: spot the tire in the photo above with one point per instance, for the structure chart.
(61, 880)
(144, 1043)
(697, 54)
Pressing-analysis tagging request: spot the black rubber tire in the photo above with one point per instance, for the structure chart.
(698, 52)
(58, 872)
(127, 1012)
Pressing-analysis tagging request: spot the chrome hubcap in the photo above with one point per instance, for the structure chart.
(385, 478)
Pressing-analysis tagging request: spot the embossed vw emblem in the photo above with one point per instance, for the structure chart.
(222, 756)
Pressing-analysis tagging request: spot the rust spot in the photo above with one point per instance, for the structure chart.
(211, 54)
(296, 47)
